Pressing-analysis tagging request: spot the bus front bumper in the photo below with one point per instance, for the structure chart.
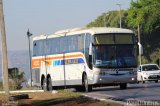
(114, 79)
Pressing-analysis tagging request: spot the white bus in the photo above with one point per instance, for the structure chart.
(85, 58)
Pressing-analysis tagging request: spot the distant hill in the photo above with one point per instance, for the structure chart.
(19, 59)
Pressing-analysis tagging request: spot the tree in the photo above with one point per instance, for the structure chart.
(17, 77)
(110, 19)
(141, 12)
(146, 13)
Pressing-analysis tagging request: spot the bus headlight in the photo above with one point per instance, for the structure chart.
(97, 72)
(133, 79)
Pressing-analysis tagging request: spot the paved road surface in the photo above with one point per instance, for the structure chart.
(147, 91)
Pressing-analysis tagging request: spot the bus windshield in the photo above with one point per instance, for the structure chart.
(112, 56)
(115, 38)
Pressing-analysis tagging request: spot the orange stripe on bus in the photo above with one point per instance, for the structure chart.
(36, 63)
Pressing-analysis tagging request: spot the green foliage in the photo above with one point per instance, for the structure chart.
(155, 56)
(145, 13)
(113, 19)
(16, 78)
(109, 19)
(144, 60)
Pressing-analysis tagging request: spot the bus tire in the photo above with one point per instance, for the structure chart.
(79, 88)
(49, 84)
(87, 88)
(123, 86)
(156, 81)
(44, 85)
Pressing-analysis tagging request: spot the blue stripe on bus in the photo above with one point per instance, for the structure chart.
(57, 62)
(80, 60)
(67, 61)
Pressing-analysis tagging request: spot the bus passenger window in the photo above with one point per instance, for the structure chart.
(34, 49)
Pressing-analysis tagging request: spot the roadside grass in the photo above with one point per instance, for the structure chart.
(26, 88)
(62, 98)
(31, 88)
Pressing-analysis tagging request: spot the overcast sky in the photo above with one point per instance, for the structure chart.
(48, 16)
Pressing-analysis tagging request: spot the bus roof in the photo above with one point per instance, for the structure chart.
(92, 31)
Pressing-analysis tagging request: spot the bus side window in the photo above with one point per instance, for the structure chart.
(34, 48)
(80, 42)
(47, 46)
(37, 48)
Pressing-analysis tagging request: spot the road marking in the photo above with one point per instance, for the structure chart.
(23, 91)
(104, 95)
(108, 99)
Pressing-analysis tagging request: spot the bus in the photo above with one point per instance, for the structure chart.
(84, 58)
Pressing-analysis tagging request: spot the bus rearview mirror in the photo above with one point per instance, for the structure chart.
(140, 49)
(90, 49)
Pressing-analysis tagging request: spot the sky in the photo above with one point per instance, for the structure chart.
(49, 16)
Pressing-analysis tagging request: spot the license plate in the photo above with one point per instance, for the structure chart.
(116, 82)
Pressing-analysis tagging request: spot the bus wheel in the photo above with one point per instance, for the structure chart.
(123, 86)
(87, 88)
(49, 84)
(44, 85)
(156, 81)
(79, 88)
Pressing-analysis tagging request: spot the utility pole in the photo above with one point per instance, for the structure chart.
(64, 68)
(140, 46)
(120, 20)
(4, 52)
(29, 35)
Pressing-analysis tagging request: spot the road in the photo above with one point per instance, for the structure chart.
(147, 91)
